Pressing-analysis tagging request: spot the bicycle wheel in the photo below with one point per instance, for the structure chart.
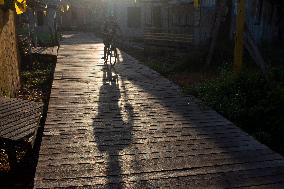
(106, 57)
(111, 56)
(114, 55)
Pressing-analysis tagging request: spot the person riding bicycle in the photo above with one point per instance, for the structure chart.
(110, 35)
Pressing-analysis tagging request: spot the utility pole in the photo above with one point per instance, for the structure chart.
(239, 43)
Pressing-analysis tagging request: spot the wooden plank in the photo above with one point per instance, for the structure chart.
(20, 123)
(15, 105)
(19, 119)
(16, 112)
(22, 133)
(169, 34)
(239, 44)
(168, 40)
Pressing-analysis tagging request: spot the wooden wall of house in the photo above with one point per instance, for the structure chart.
(9, 59)
(79, 17)
(182, 18)
(130, 18)
(261, 20)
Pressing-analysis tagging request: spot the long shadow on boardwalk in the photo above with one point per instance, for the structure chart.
(112, 129)
(213, 145)
(161, 140)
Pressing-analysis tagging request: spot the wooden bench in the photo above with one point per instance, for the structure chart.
(19, 122)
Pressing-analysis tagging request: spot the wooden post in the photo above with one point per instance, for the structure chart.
(196, 4)
(220, 12)
(239, 44)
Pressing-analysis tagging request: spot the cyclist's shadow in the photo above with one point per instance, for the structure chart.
(112, 125)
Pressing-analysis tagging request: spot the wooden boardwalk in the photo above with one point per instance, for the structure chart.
(129, 127)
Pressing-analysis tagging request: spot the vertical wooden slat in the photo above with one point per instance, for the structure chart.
(239, 44)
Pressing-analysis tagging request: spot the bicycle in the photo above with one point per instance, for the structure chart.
(111, 53)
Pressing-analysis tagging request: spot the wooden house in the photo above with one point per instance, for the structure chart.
(178, 23)
(129, 16)
(84, 15)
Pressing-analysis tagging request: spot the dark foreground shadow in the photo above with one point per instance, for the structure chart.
(23, 177)
(112, 125)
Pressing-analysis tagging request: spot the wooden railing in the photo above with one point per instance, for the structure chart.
(167, 39)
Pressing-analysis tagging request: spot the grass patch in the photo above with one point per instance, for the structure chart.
(36, 78)
(248, 99)
(183, 70)
(251, 102)
(172, 64)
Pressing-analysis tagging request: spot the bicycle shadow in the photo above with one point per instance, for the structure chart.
(112, 126)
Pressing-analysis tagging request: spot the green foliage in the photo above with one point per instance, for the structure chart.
(162, 67)
(174, 64)
(24, 45)
(250, 101)
(45, 39)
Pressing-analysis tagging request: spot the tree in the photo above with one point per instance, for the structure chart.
(9, 59)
